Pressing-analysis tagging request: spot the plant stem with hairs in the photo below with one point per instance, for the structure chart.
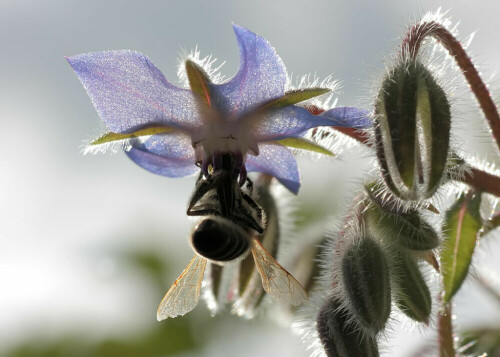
(411, 45)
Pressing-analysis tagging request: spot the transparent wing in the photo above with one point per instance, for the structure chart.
(184, 293)
(277, 282)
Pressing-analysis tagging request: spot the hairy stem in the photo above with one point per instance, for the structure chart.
(482, 181)
(411, 45)
(445, 331)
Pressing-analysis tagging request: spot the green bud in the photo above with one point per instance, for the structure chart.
(365, 275)
(411, 292)
(413, 131)
(339, 337)
(384, 199)
(408, 230)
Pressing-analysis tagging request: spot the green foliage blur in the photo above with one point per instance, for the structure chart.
(169, 338)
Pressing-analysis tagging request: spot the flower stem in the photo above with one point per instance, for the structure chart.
(445, 331)
(482, 181)
(411, 45)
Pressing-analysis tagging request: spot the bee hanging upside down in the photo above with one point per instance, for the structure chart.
(226, 128)
(231, 230)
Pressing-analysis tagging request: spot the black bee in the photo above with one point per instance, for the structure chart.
(233, 224)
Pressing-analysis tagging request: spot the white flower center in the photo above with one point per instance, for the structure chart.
(221, 136)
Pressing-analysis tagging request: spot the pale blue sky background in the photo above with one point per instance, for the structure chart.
(62, 212)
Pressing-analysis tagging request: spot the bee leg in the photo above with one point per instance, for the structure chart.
(257, 209)
(249, 186)
(243, 175)
(250, 222)
(202, 187)
(203, 212)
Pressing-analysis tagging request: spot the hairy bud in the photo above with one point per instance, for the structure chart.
(339, 337)
(411, 292)
(408, 230)
(365, 275)
(413, 131)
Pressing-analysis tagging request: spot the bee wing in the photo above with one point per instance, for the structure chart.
(184, 293)
(277, 282)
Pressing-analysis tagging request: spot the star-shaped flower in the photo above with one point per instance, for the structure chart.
(170, 130)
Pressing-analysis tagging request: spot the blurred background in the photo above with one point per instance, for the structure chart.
(89, 244)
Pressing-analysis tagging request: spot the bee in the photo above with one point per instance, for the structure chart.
(231, 231)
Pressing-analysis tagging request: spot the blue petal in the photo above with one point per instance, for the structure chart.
(169, 154)
(261, 77)
(128, 91)
(276, 160)
(287, 122)
(349, 117)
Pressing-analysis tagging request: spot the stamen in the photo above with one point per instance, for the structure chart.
(207, 161)
(243, 175)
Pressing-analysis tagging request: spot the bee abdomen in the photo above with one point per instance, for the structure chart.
(219, 239)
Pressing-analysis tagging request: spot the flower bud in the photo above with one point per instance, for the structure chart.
(406, 229)
(365, 275)
(411, 292)
(384, 199)
(339, 337)
(413, 131)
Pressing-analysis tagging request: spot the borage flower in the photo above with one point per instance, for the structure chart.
(170, 131)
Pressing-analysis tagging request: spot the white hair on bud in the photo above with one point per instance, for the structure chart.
(208, 64)
(329, 283)
(449, 77)
(305, 321)
(305, 324)
(324, 101)
(112, 146)
(447, 74)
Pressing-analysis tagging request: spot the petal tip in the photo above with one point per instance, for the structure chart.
(236, 27)
(70, 59)
(293, 186)
(241, 31)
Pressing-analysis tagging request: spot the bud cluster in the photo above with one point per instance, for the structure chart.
(375, 264)
(339, 336)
